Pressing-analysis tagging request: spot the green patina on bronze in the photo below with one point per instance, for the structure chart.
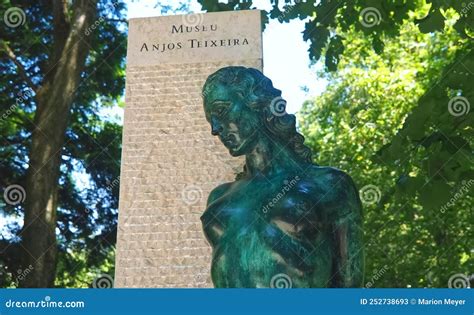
(284, 221)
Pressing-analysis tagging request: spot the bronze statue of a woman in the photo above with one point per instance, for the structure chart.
(284, 221)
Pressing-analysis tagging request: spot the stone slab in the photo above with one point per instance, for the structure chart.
(219, 36)
(170, 160)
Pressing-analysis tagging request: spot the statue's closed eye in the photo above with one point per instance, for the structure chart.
(221, 109)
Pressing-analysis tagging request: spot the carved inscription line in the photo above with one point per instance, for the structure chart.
(193, 42)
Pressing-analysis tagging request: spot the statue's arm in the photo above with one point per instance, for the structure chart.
(347, 235)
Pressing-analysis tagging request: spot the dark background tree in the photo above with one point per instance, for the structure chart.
(61, 63)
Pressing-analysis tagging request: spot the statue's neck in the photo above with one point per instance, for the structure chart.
(269, 158)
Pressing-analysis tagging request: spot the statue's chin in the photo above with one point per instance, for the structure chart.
(237, 151)
(241, 148)
(234, 152)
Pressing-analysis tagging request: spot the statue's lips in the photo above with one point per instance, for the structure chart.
(228, 141)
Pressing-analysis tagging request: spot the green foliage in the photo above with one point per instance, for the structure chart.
(396, 116)
(377, 121)
(75, 271)
(374, 18)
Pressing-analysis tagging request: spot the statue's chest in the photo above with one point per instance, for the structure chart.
(249, 208)
(239, 206)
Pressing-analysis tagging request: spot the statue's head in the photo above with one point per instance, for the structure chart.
(242, 106)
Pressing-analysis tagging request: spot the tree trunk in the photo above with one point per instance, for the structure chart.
(53, 101)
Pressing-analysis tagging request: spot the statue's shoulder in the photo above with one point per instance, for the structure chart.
(334, 188)
(218, 192)
(328, 175)
(330, 182)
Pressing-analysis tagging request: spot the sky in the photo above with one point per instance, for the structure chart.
(285, 54)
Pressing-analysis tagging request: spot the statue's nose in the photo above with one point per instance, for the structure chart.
(216, 127)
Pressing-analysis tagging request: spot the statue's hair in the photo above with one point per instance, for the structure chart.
(258, 93)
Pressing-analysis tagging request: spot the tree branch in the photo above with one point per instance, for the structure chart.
(117, 20)
(61, 22)
(60, 14)
(21, 69)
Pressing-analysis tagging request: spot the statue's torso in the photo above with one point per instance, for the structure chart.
(276, 229)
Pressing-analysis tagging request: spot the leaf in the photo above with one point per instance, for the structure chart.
(435, 194)
(414, 127)
(317, 43)
(431, 23)
(275, 13)
(334, 52)
(409, 185)
(378, 45)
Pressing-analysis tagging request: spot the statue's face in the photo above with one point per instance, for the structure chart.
(236, 125)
